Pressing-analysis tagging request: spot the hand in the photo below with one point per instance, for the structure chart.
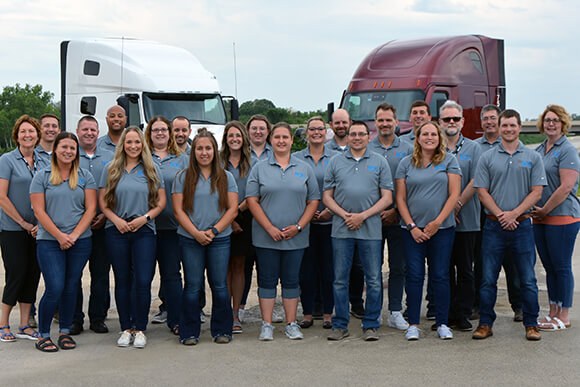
(290, 232)
(34, 231)
(236, 228)
(204, 238)
(418, 235)
(121, 225)
(27, 226)
(324, 216)
(98, 222)
(354, 221)
(458, 208)
(389, 217)
(432, 228)
(508, 220)
(276, 234)
(137, 223)
(65, 241)
(539, 213)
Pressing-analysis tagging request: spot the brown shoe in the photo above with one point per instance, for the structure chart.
(533, 334)
(482, 332)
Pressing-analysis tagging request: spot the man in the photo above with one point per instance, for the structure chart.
(116, 121)
(509, 181)
(95, 160)
(490, 139)
(388, 145)
(340, 123)
(357, 188)
(182, 131)
(420, 113)
(467, 213)
(49, 129)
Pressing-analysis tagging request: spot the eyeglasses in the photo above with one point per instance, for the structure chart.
(357, 134)
(448, 119)
(160, 130)
(489, 118)
(548, 121)
(258, 129)
(319, 129)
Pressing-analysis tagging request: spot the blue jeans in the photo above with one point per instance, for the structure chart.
(169, 258)
(370, 253)
(133, 258)
(283, 265)
(61, 270)
(316, 270)
(438, 253)
(555, 246)
(196, 259)
(520, 242)
(397, 267)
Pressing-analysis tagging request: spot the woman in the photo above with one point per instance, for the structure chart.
(427, 188)
(317, 269)
(170, 159)
(557, 215)
(282, 194)
(18, 227)
(64, 199)
(131, 196)
(205, 202)
(235, 156)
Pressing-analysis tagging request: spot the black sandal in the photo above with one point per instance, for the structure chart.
(66, 342)
(42, 344)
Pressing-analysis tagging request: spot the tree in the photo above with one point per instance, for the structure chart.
(16, 101)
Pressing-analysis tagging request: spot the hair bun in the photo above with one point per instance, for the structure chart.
(202, 131)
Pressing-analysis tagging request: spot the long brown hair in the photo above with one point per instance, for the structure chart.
(55, 177)
(440, 152)
(172, 147)
(219, 179)
(246, 157)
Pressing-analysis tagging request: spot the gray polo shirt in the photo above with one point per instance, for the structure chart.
(486, 145)
(357, 187)
(409, 137)
(428, 189)
(282, 193)
(105, 142)
(240, 181)
(15, 169)
(563, 155)
(169, 167)
(263, 156)
(333, 146)
(46, 156)
(509, 178)
(467, 153)
(393, 154)
(319, 169)
(64, 206)
(132, 194)
(97, 163)
(188, 149)
(206, 212)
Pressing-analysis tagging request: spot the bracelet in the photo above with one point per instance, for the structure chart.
(460, 204)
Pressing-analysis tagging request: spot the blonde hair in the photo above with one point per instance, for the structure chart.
(117, 166)
(440, 152)
(55, 177)
(562, 114)
(172, 147)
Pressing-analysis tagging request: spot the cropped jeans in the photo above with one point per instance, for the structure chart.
(283, 265)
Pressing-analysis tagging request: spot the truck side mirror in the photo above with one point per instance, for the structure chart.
(234, 109)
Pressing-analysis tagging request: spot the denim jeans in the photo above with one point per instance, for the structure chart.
(61, 270)
(555, 246)
(495, 242)
(438, 253)
(279, 264)
(357, 282)
(316, 270)
(397, 266)
(196, 259)
(169, 259)
(133, 258)
(370, 253)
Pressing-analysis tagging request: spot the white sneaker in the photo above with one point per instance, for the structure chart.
(140, 340)
(444, 332)
(125, 340)
(159, 318)
(202, 317)
(293, 331)
(267, 332)
(397, 321)
(241, 313)
(412, 333)
(277, 316)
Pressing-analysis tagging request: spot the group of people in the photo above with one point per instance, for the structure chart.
(315, 220)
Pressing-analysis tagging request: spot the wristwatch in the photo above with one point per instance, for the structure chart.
(147, 217)
(411, 226)
(215, 231)
(298, 227)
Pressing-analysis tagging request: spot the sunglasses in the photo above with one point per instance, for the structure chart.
(448, 119)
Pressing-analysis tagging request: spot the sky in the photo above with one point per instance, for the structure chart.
(301, 54)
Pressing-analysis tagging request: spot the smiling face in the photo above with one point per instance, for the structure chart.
(281, 140)
(419, 115)
(204, 152)
(451, 121)
(509, 129)
(116, 119)
(234, 139)
(258, 132)
(490, 123)
(552, 125)
(316, 132)
(88, 133)
(428, 139)
(340, 123)
(133, 146)
(27, 135)
(49, 128)
(159, 135)
(386, 123)
(358, 137)
(66, 151)
(181, 131)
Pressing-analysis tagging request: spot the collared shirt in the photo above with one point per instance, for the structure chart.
(467, 153)
(563, 155)
(333, 146)
(206, 212)
(428, 189)
(509, 177)
(282, 194)
(263, 156)
(393, 154)
(64, 206)
(96, 163)
(486, 145)
(409, 137)
(241, 182)
(319, 169)
(169, 167)
(357, 187)
(132, 193)
(45, 155)
(105, 142)
(15, 169)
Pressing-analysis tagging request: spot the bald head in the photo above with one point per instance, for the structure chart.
(116, 119)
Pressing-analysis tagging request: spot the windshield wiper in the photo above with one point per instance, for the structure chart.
(202, 122)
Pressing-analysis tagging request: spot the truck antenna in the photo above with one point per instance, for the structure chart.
(235, 72)
(122, 57)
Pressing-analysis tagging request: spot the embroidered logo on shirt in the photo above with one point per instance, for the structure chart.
(399, 154)
(555, 154)
(373, 168)
(527, 164)
(140, 173)
(465, 157)
(299, 174)
(173, 164)
(105, 162)
(439, 167)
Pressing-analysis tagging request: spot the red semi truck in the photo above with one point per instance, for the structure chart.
(468, 69)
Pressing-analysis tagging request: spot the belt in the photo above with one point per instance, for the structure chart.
(519, 219)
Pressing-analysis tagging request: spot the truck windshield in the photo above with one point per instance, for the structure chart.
(199, 108)
(362, 105)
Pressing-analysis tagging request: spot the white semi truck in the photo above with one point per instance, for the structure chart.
(144, 77)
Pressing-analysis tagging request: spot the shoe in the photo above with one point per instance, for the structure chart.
(293, 331)
(444, 332)
(370, 334)
(175, 329)
(533, 334)
(338, 334)
(434, 327)
(430, 315)
(482, 332)
(474, 314)
(241, 313)
(397, 321)
(160, 318)
(305, 324)
(519, 315)
(277, 316)
(357, 311)
(99, 327)
(140, 340)
(222, 339)
(76, 328)
(267, 332)
(327, 324)
(463, 324)
(34, 335)
(412, 333)
(189, 341)
(125, 340)
(202, 317)
(65, 342)
(32, 322)
(237, 327)
(6, 337)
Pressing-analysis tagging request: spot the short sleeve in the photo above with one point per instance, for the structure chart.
(538, 171)
(312, 185)
(160, 177)
(5, 167)
(403, 168)
(481, 179)
(453, 165)
(104, 177)
(38, 184)
(232, 186)
(329, 176)
(89, 179)
(178, 183)
(253, 184)
(385, 178)
(568, 159)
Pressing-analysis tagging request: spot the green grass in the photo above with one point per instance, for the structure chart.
(532, 138)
